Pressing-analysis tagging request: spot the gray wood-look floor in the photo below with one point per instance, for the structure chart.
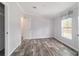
(43, 47)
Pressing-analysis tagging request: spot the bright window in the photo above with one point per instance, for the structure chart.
(67, 28)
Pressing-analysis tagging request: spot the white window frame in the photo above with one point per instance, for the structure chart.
(62, 32)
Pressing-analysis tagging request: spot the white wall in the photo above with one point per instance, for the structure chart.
(40, 27)
(57, 31)
(25, 27)
(12, 21)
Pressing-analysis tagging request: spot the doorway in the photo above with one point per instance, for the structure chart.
(2, 30)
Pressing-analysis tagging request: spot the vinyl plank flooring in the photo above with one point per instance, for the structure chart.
(43, 47)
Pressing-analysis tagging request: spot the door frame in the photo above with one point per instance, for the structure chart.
(6, 27)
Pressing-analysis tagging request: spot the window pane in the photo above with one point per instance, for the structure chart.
(67, 28)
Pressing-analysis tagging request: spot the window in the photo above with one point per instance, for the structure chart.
(67, 28)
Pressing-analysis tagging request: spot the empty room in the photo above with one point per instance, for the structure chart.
(40, 29)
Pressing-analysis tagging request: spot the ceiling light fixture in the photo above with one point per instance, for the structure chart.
(34, 7)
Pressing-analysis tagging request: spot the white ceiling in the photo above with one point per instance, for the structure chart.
(44, 8)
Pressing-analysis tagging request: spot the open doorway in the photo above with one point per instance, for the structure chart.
(2, 30)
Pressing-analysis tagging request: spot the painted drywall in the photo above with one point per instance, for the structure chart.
(13, 27)
(25, 27)
(57, 30)
(40, 27)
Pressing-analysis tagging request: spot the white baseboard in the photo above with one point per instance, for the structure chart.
(38, 38)
(13, 49)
